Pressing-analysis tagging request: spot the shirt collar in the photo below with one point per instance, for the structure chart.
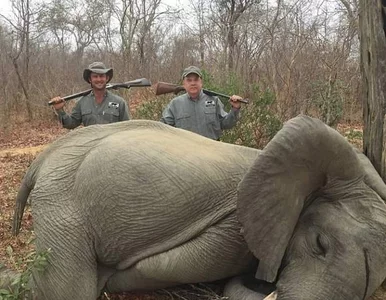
(198, 97)
(104, 97)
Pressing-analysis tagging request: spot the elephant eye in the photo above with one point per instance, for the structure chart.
(321, 246)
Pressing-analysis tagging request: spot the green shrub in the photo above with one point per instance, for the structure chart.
(34, 262)
(328, 98)
(354, 134)
(258, 123)
(152, 110)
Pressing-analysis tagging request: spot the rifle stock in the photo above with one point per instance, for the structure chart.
(166, 88)
(142, 82)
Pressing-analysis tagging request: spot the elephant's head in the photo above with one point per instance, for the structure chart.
(312, 215)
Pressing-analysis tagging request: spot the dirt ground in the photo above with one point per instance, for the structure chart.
(18, 148)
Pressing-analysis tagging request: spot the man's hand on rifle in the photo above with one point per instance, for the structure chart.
(235, 101)
(58, 102)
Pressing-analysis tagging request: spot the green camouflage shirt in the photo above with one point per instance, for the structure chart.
(112, 109)
(205, 115)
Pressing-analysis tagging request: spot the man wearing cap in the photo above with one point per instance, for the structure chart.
(100, 106)
(195, 111)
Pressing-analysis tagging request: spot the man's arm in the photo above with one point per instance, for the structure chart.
(70, 121)
(124, 111)
(227, 120)
(168, 116)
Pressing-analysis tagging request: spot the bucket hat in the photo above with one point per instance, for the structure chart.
(99, 68)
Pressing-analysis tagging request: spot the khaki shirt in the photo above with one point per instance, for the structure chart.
(205, 115)
(112, 109)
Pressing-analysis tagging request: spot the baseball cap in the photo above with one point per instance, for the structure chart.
(191, 70)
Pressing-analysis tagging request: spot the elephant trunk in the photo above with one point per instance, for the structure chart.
(246, 287)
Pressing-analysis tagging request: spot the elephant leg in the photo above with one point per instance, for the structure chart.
(218, 253)
(71, 272)
(59, 282)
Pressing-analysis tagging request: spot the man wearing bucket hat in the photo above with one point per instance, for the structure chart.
(100, 106)
(195, 111)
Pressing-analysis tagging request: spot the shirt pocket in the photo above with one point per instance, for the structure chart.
(111, 115)
(184, 121)
(86, 112)
(210, 114)
(87, 117)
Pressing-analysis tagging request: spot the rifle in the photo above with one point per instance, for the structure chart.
(165, 88)
(134, 83)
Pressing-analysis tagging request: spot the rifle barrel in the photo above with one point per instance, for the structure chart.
(77, 95)
(212, 93)
(142, 82)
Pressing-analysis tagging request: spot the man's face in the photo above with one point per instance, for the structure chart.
(193, 85)
(98, 81)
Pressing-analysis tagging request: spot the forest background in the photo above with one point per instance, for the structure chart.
(302, 54)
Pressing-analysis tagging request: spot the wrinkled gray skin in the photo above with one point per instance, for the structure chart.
(140, 205)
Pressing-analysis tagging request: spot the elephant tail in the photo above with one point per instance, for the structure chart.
(21, 200)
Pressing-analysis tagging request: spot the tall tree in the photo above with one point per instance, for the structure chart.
(228, 13)
(200, 12)
(23, 22)
(75, 23)
(372, 26)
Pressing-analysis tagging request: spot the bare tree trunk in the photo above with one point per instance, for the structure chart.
(231, 46)
(201, 31)
(373, 69)
(229, 13)
(22, 53)
(26, 87)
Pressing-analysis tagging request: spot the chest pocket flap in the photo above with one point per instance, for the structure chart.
(112, 111)
(86, 111)
(210, 109)
(182, 115)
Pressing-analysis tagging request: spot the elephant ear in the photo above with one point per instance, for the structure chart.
(300, 159)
